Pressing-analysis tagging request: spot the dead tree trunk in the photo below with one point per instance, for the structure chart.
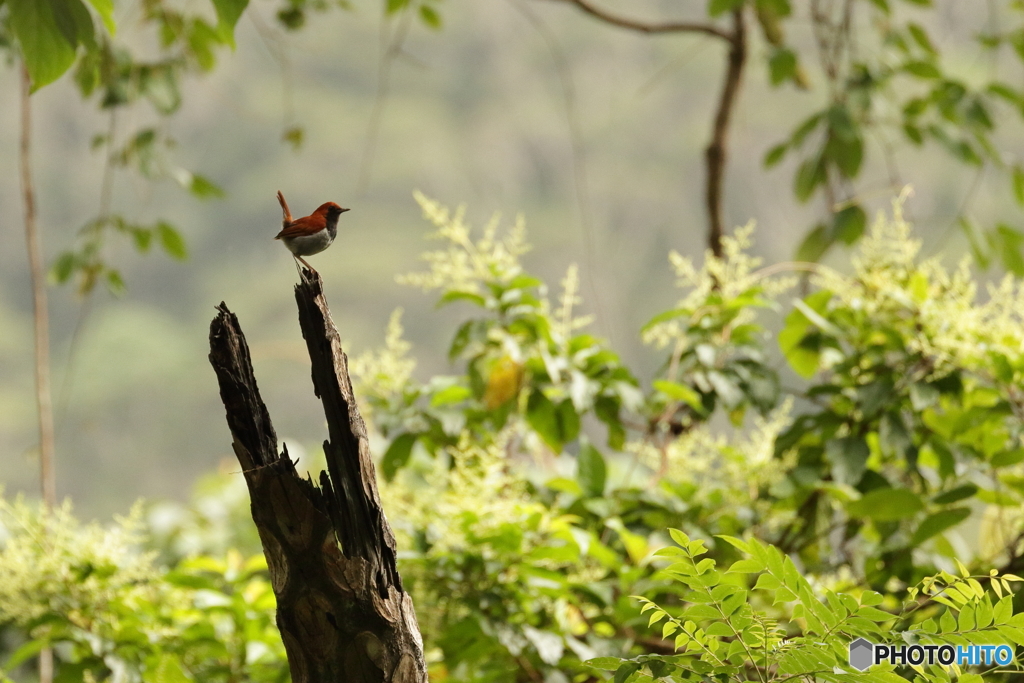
(341, 609)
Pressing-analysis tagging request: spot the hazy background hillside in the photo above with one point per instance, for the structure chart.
(477, 114)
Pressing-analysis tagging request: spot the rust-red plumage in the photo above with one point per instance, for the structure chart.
(310, 234)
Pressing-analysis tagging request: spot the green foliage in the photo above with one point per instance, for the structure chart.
(869, 483)
(50, 35)
(110, 612)
(779, 627)
(916, 413)
(522, 359)
(54, 35)
(904, 420)
(904, 71)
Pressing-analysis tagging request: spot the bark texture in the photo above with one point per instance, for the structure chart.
(341, 609)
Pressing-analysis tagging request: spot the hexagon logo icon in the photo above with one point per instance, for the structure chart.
(862, 654)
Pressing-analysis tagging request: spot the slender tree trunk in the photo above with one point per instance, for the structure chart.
(343, 614)
(40, 315)
(40, 311)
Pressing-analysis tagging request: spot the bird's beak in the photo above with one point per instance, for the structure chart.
(344, 210)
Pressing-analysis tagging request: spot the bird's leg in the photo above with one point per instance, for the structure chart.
(311, 268)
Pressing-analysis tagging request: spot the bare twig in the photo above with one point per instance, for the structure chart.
(716, 152)
(647, 27)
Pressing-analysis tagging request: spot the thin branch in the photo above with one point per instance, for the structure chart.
(391, 48)
(716, 151)
(278, 50)
(579, 166)
(645, 27)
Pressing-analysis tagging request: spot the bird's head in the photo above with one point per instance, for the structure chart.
(330, 210)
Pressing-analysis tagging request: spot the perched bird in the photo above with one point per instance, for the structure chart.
(311, 234)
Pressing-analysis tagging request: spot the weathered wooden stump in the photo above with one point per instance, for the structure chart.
(341, 609)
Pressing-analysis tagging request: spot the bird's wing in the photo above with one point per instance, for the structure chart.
(302, 226)
(287, 218)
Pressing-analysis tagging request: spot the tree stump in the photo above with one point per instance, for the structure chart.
(341, 609)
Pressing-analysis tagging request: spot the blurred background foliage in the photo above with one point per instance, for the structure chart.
(861, 414)
(373, 102)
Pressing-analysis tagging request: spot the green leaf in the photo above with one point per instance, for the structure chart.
(679, 392)
(815, 244)
(810, 174)
(396, 5)
(542, 417)
(748, 566)
(462, 296)
(875, 614)
(166, 669)
(604, 663)
(202, 38)
(228, 13)
(665, 316)
(115, 283)
(799, 344)
(171, 241)
(46, 47)
(1010, 241)
(679, 537)
(430, 17)
(591, 470)
(25, 652)
(849, 458)
(717, 7)
(937, 523)
(450, 395)
(922, 69)
(886, 505)
(913, 133)
(62, 268)
(203, 188)
(921, 38)
(626, 670)
(105, 8)
(1007, 458)
(568, 421)
(848, 225)
(1018, 184)
(397, 455)
(871, 598)
(847, 155)
(805, 129)
(160, 87)
(781, 65)
(294, 136)
(957, 494)
(775, 154)
(142, 237)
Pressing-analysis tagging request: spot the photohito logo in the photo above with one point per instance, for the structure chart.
(865, 654)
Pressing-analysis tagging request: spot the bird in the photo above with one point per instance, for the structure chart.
(311, 234)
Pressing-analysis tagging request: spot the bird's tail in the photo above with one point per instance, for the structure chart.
(286, 220)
